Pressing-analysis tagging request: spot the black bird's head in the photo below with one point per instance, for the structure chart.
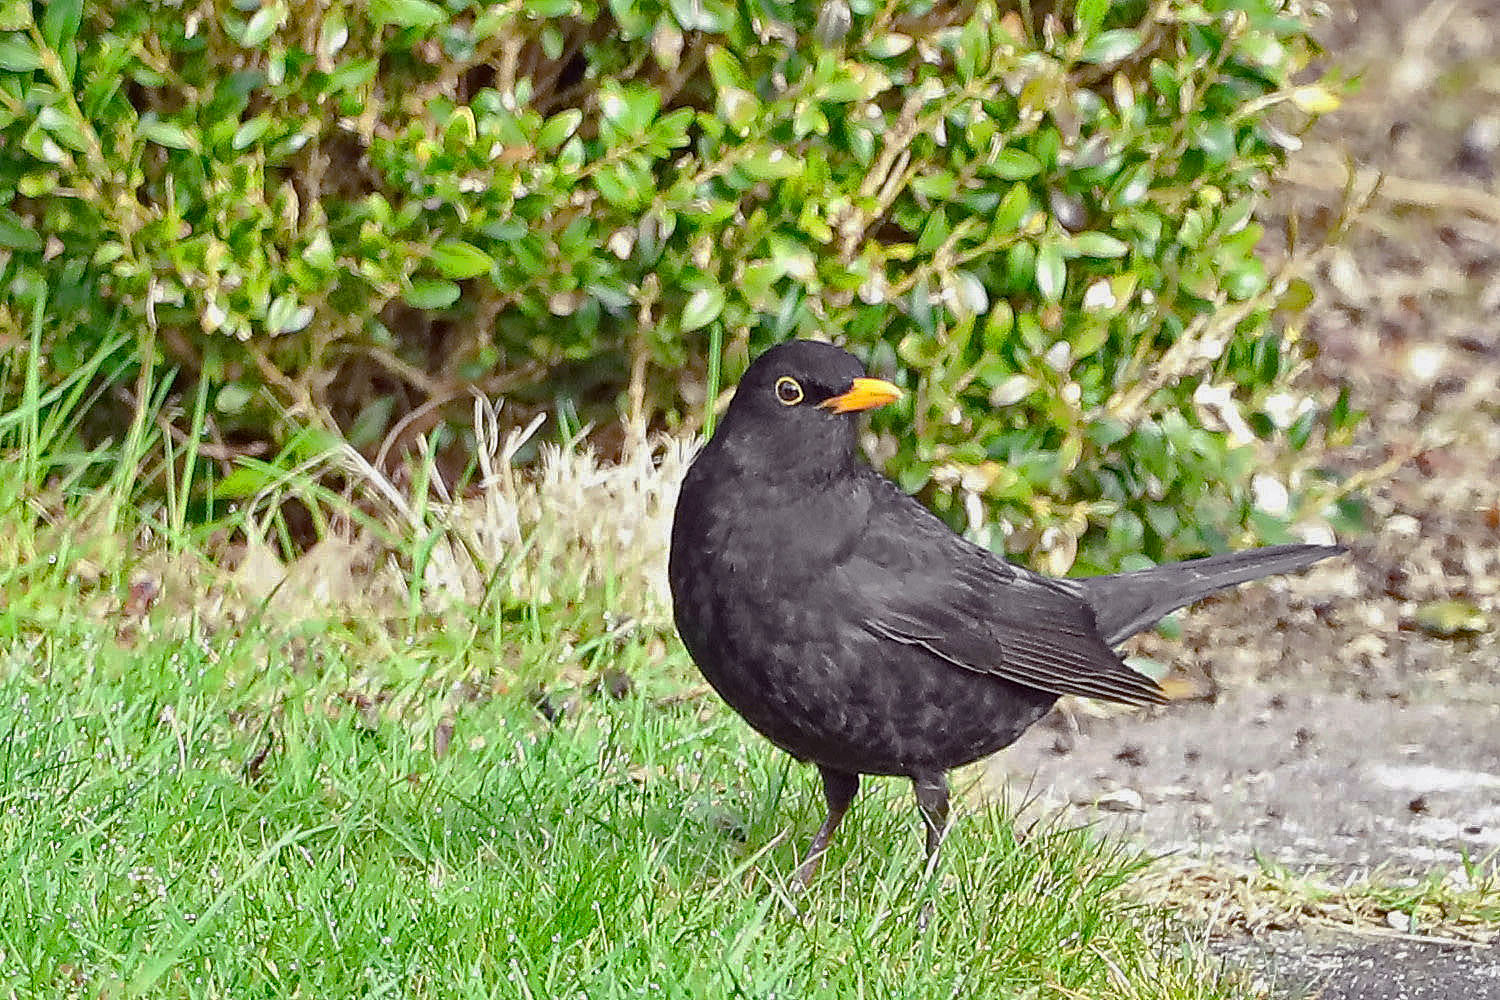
(795, 409)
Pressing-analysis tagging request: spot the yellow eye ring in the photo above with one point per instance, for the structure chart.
(788, 391)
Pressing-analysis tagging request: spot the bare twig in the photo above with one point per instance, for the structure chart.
(1322, 175)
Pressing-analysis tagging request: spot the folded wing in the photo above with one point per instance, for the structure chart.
(931, 590)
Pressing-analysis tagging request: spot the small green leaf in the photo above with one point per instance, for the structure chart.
(1014, 208)
(738, 107)
(541, 9)
(64, 127)
(1051, 274)
(16, 233)
(698, 15)
(263, 25)
(862, 145)
(773, 164)
(244, 481)
(1164, 79)
(18, 56)
(427, 293)
(917, 351)
(250, 132)
(1246, 281)
(1094, 244)
(970, 298)
(1014, 165)
(60, 22)
(623, 185)
(1089, 15)
(997, 328)
(319, 251)
(1089, 339)
(756, 283)
(459, 260)
(1111, 46)
(406, 13)
(333, 35)
(934, 232)
(1107, 431)
(703, 307)
(460, 132)
(570, 158)
(558, 129)
(163, 133)
(1235, 216)
(1132, 187)
(370, 427)
(1216, 139)
(1343, 417)
(792, 258)
(1020, 264)
(939, 186)
(888, 45)
(671, 129)
(914, 475)
(286, 316)
(352, 75)
(1301, 430)
(666, 43)
(725, 69)
(1261, 49)
(921, 307)
(630, 109)
(1162, 517)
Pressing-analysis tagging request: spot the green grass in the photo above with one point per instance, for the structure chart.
(198, 804)
(206, 817)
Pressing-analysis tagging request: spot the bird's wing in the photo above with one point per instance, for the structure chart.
(923, 586)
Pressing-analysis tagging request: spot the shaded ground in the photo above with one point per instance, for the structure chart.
(1341, 726)
(1330, 965)
(1296, 778)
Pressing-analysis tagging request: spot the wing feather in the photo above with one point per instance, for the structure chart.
(930, 589)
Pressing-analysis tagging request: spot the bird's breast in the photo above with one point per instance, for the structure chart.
(749, 568)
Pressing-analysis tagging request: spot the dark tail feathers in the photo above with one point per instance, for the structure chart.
(1127, 603)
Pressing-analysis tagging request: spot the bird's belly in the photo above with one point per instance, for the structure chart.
(819, 685)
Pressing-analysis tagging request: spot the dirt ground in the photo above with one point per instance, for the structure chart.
(1349, 720)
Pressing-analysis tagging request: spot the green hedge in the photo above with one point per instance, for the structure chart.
(1045, 218)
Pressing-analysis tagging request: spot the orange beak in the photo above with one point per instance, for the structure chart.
(864, 394)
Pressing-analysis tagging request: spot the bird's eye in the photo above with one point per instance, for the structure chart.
(788, 391)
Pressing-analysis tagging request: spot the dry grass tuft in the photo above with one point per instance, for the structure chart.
(566, 525)
(1460, 908)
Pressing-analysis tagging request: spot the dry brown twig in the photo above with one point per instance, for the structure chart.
(1321, 174)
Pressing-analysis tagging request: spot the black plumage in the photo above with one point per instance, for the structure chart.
(851, 627)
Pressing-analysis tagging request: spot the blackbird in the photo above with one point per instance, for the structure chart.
(852, 628)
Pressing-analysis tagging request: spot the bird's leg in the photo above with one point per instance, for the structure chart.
(839, 789)
(932, 801)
